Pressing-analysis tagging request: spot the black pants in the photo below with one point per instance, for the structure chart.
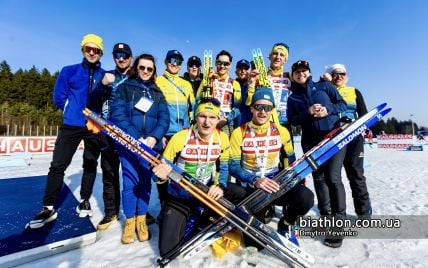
(110, 167)
(66, 145)
(354, 167)
(329, 187)
(296, 202)
(178, 211)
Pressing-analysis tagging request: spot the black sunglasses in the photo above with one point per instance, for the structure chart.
(336, 74)
(142, 68)
(88, 50)
(261, 107)
(224, 63)
(118, 55)
(214, 101)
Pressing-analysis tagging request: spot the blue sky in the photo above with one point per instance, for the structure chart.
(383, 43)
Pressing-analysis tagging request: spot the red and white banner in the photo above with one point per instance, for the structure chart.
(32, 145)
(394, 141)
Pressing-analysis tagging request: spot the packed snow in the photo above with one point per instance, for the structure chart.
(397, 182)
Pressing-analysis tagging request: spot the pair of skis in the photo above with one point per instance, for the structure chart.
(251, 226)
(287, 179)
(259, 62)
(237, 216)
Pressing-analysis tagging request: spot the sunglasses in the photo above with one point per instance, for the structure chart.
(243, 66)
(281, 44)
(123, 55)
(224, 63)
(214, 101)
(175, 61)
(192, 65)
(143, 68)
(88, 50)
(337, 74)
(260, 107)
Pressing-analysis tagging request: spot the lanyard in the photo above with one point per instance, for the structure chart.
(202, 167)
(261, 160)
(147, 90)
(115, 85)
(176, 97)
(175, 85)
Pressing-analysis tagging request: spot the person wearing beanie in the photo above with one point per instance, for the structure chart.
(71, 94)
(316, 107)
(226, 90)
(354, 157)
(202, 151)
(193, 74)
(260, 148)
(180, 99)
(140, 108)
(92, 39)
(279, 81)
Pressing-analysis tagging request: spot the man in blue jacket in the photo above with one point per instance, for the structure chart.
(71, 95)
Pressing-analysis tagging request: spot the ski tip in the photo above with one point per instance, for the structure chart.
(381, 106)
(385, 112)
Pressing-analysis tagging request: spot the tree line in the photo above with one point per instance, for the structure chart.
(26, 100)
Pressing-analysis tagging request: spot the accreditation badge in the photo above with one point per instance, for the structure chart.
(144, 104)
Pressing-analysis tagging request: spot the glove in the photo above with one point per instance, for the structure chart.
(230, 241)
(91, 126)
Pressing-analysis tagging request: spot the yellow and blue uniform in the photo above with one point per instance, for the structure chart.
(243, 163)
(190, 152)
(355, 105)
(280, 83)
(181, 101)
(227, 91)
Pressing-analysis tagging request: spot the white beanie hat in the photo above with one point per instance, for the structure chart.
(334, 67)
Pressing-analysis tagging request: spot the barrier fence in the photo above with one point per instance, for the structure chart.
(28, 130)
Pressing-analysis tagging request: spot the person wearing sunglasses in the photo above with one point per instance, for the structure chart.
(354, 158)
(180, 99)
(71, 95)
(316, 107)
(242, 71)
(193, 74)
(260, 148)
(122, 56)
(202, 151)
(226, 90)
(139, 108)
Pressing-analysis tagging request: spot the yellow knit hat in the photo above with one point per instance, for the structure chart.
(281, 46)
(208, 107)
(92, 38)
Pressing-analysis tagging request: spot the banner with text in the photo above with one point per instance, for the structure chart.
(394, 141)
(34, 145)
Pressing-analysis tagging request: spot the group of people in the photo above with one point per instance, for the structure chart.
(234, 135)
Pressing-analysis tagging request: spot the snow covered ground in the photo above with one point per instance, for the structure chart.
(398, 185)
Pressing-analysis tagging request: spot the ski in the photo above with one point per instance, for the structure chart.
(261, 67)
(287, 178)
(262, 234)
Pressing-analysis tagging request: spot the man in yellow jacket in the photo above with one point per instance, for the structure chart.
(180, 99)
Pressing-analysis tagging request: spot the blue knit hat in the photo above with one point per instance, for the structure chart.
(263, 93)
